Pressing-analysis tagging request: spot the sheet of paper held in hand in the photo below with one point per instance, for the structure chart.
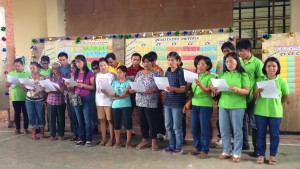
(220, 84)
(71, 82)
(269, 89)
(137, 86)
(190, 76)
(108, 88)
(50, 86)
(14, 80)
(28, 83)
(161, 82)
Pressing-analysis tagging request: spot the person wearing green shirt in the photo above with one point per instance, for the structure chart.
(202, 106)
(232, 105)
(253, 67)
(269, 111)
(18, 96)
(45, 70)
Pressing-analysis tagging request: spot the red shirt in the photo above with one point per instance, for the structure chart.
(132, 71)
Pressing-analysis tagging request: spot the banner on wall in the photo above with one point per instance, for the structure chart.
(91, 49)
(188, 47)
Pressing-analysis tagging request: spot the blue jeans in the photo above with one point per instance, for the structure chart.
(173, 123)
(200, 127)
(94, 114)
(83, 115)
(36, 114)
(72, 116)
(234, 118)
(249, 111)
(274, 128)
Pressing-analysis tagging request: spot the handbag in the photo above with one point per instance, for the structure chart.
(76, 100)
(188, 103)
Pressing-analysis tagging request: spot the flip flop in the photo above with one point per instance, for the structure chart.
(142, 146)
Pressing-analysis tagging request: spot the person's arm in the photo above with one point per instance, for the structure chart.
(206, 90)
(241, 91)
(91, 86)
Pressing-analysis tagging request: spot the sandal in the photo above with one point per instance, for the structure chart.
(224, 156)
(128, 146)
(154, 147)
(117, 146)
(261, 160)
(236, 159)
(51, 138)
(109, 143)
(272, 160)
(102, 143)
(42, 136)
(60, 138)
(142, 146)
(195, 152)
(74, 139)
(202, 155)
(33, 137)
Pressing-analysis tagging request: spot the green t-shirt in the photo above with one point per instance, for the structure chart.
(17, 93)
(199, 97)
(46, 72)
(254, 70)
(120, 88)
(233, 100)
(270, 107)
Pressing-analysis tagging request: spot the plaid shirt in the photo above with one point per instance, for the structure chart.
(56, 98)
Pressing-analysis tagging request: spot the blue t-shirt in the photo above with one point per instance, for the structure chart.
(120, 88)
(176, 79)
(65, 70)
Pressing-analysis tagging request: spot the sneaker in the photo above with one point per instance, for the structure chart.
(160, 136)
(168, 150)
(177, 152)
(88, 144)
(79, 143)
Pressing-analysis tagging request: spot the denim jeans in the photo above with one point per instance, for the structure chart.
(173, 123)
(249, 111)
(94, 114)
(274, 128)
(83, 115)
(201, 128)
(19, 106)
(36, 113)
(72, 116)
(234, 118)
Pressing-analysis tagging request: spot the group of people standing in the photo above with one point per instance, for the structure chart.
(157, 110)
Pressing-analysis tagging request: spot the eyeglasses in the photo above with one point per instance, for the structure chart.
(95, 68)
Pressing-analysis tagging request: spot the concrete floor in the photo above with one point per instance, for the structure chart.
(18, 151)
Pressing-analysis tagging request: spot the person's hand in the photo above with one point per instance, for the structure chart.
(213, 89)
(233, 89)
(259, 90)
(132, 91)
(81, 85)
(104, 92)
(170, 89)
(7, 84)
(198, 83)
(43, 88)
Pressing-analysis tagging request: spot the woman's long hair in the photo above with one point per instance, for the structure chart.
(85, 67)
(239, 67)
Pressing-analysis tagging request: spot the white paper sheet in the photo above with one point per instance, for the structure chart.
(14, 80)
(131, 78)
(28, 83)
(220, 84)
(108, 88)
(269, 89)
(71, 82)
(190, 76)
(137, 86)
(161, 82)
(49, 86)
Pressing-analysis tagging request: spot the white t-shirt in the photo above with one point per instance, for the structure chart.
(102, 99)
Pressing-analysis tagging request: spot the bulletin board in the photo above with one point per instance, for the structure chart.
(188, 47)
(286, 47)
(91, 49)
(4, 101)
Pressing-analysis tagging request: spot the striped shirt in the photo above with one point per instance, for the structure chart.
(176, 79)
(56, 98)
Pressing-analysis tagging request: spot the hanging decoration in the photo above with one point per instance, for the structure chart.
(86, 38)
(3, 28)
(7, 93)
(185, 33)
(4, 60)
(137, 35)
(177, 33)
(230, 30)
(114, 36)
(128, 36)
(169, 33)
(161, 34)
(78, 40)
(121, 36)
(5, 72)
(4, 50)
(3, 39)
(221, 30)
(67, 38)
(42, 40)
(291, 34)
(144, 34)
(100, 37)
(34, 41)
(201, 32)
(264, 51)
(231, 38)
(32, 48)
(153, 34)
